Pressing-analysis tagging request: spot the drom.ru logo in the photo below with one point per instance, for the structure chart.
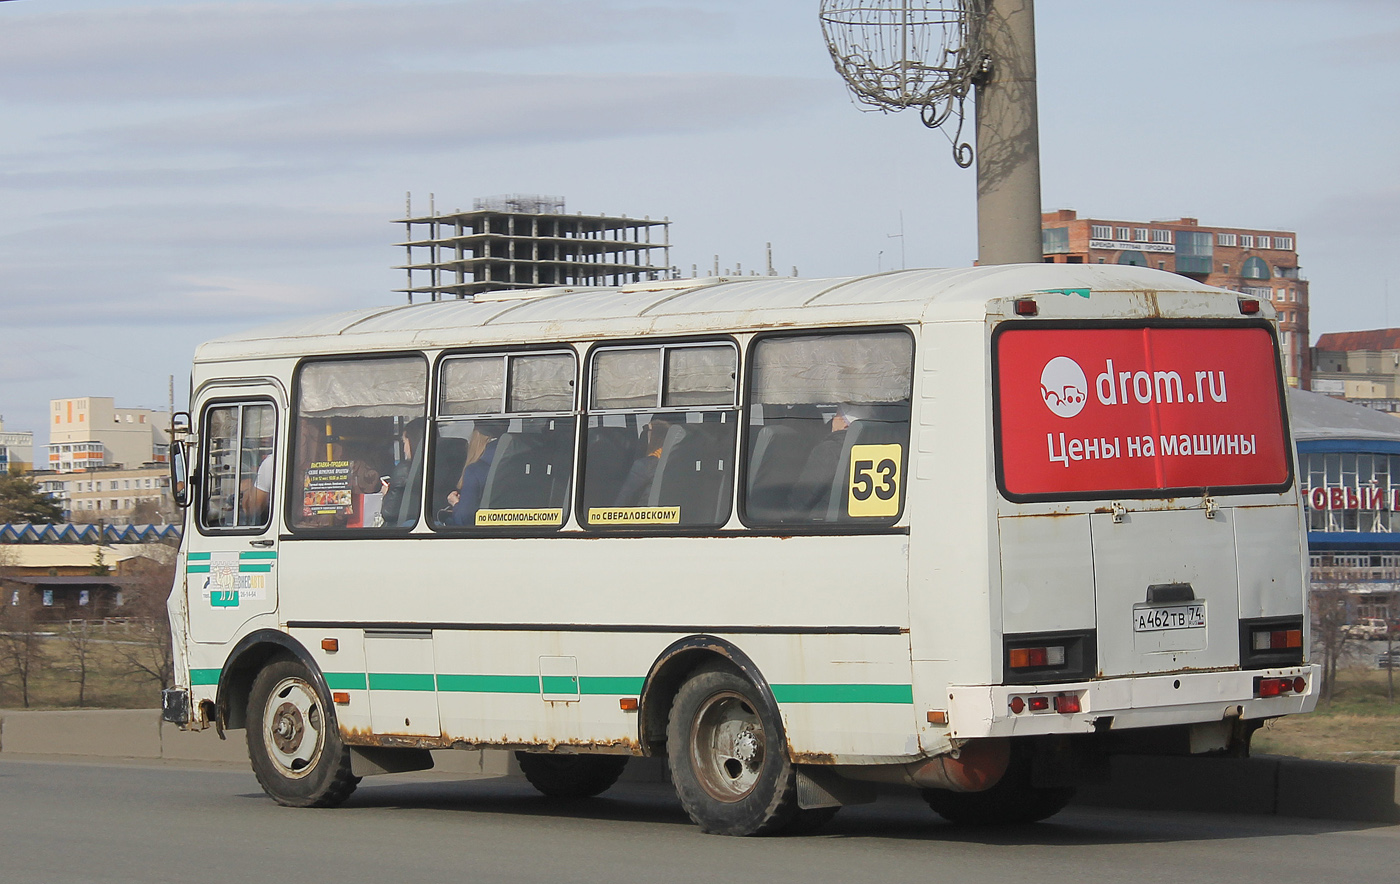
(1063, 386)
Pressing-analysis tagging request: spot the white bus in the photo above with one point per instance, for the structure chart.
(969, 530)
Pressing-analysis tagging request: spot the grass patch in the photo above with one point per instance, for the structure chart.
(111, 681)
(1360, 723)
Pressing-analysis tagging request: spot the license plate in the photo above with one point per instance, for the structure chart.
(1173, 617)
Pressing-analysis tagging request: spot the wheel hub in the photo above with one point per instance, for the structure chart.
(747, 748)
(288, 728)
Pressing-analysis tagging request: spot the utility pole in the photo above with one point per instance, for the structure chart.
(1008, 138)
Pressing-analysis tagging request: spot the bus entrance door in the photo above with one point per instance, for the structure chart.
(231, 556)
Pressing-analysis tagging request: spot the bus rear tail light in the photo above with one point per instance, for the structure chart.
(1279, 687)
(1038, 704)
(1249, 306)
(1066, 704)
(1048, 657)
(1027, 307)
(1271, 642)
(1277, 639)
(1028, 658)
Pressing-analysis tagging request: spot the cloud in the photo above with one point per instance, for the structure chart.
(230, 50)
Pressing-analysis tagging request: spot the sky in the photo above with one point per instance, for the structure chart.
(175, 170)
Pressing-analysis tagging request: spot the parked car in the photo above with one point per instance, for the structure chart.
(1370, 628)
(1387, 659)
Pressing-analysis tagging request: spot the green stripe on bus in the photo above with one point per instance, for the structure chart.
(258, 554)
(559, 684)
(843, 693)
(204, 676)
(346, 681)
(255, 568)
(197, 569)
(400, 681)
(489, 684)
(198, 556)
(625, 686)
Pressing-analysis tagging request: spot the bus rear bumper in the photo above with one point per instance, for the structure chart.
(1130, 702)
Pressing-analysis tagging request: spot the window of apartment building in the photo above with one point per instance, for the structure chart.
(1193, 252)
(1124, 233)
(1055, 240)
(1101, 231)
(1246, 241)
(1255, 268)
(1140, 234)
(1161, 265)
(1132, 258)
(1161, 235)
(1283, 242)
(1225, 239)
(1263, 242)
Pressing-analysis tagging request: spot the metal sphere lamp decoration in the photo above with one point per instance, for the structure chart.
(897, 54)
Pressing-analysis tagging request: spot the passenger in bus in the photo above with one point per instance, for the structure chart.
(812, 491)
(400, 479)
(257, 494)
(464, 501)
(636, 487)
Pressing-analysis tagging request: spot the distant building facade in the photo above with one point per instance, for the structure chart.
(1362, 367)
(1259, 263)
(16, 449)
(528, 241)
(93, 432)
(115, 496)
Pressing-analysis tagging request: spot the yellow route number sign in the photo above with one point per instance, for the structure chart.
(876, 474)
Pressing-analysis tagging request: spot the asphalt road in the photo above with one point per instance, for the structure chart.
(71, 823)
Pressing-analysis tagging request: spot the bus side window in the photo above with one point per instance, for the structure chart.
(504, 441)
(662, 423)
(360, 427)
(238, 467)
(828, 428)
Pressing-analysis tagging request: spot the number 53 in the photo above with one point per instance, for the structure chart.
(873, 487)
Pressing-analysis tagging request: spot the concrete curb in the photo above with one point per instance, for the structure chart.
(1270, 785)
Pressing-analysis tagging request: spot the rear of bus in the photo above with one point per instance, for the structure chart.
(1148, 524)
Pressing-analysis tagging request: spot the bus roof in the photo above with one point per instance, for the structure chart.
(685, 306)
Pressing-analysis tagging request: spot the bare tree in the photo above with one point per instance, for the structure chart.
(1331, 595)
(22, 651)
(79, 636)
(147, 650)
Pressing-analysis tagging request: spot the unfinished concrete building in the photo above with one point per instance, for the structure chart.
(527, 241)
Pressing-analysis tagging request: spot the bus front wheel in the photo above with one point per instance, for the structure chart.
(570, 777)
(728, 758)
(293, 740)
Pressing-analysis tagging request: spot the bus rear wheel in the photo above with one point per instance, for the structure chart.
(293, 740)
(1012, 801)
(570, 777)
(728, 757)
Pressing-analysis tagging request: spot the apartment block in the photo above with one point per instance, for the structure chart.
(16, 449)
(93, 432)
(1258, 263)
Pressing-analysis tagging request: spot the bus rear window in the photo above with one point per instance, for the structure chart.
(1085, 413)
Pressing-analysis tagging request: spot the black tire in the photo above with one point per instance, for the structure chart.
(294, 741)
(728, 756)
(809, 820)
(1012, 801)
(571, 777)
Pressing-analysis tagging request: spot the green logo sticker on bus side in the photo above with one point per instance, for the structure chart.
(873, 489)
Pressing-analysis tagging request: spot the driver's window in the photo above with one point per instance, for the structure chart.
(238, 466)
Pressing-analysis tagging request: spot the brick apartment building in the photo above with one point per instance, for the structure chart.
(1259, 263)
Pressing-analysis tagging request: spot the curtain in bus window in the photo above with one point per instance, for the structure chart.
(834, 368)
(626, 378)
(365, 388)
(360, 432)
(660, 454)
(828, 429)
(503, 453)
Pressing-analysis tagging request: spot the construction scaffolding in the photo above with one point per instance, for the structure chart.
(523, 241)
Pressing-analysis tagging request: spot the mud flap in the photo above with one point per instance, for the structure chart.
(367, 761)
(819, 787)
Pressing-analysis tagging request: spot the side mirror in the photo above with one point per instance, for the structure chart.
(180, 473)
